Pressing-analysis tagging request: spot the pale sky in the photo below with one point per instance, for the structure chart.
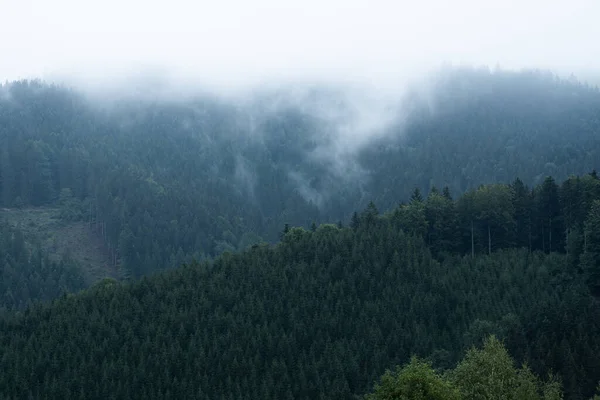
(242, 40)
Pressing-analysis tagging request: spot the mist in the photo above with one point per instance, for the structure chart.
(233, 49)
(371, 53)
(233, 44)
(348, 65)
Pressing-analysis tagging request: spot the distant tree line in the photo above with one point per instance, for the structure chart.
(163, 182)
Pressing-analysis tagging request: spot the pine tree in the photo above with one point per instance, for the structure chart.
(591, 255)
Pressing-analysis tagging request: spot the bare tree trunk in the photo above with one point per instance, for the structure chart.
(472, 241)
(550, 236)
(543, 239)
(529, 229)
(489, 240)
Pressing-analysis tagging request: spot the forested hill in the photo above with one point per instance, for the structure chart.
(326, 311)
(164, 180)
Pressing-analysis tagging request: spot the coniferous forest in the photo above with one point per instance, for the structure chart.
(261, 253)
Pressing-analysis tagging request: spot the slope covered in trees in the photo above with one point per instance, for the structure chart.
(326, 311)
(27, 274)
(162, 181)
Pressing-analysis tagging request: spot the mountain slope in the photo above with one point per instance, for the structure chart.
(60, 238)
(322, 314)
(27, 272)
(171, 179)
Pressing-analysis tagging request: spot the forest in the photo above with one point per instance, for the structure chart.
(326, 311)
(164, 181)
(462, 240)
(28, 274)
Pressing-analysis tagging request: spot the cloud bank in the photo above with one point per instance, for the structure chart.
(235, 42)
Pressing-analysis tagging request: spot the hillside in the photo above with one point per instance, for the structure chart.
(285, 290)
(296, 200)
(325, 312)
(60, 238)
(28, 273)
(172, 179)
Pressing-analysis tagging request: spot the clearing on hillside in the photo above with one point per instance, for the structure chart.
(58, 237)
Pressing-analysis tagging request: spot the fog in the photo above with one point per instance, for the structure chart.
(346, 63)
(234, 43)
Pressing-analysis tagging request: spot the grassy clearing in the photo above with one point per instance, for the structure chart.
(42, 225)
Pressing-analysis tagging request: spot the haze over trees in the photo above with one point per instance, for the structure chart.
(314, 241)
(164, 181)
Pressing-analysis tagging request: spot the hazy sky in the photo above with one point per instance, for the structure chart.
(241, 40)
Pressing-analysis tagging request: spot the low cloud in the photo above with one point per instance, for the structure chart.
(235, 43)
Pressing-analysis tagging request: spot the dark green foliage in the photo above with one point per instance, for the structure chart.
(28, 275)
(320, 315)
(415, 381)
(591, 255)
(488, 373)
(70, 207)
(324, 313)
(165, 181)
